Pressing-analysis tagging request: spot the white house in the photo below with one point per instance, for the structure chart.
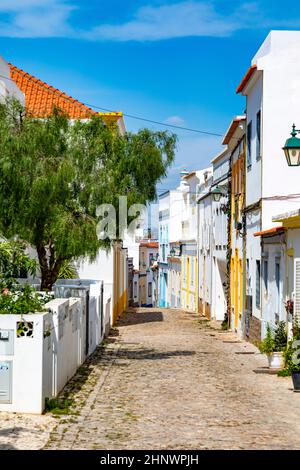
(221, 167)
(235, 140)
(204, 246)
(271, 86)
(163, 240)
(8, 88)
(147, 282)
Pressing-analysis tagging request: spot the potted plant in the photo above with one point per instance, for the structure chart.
(292, 358)
(289, 307)
(273, 345)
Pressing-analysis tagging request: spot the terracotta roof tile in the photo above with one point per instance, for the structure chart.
(40, 98)
(246, 78)
(149, 244)
(270, 232)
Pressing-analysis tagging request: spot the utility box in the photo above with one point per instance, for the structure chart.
(6, 342)
(5, 381)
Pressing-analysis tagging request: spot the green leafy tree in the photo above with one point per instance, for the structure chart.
(14, 262)
(67, 271)
(54, 173)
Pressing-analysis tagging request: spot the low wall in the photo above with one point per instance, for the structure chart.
(21, 362)
(40, 352)
(91, 292)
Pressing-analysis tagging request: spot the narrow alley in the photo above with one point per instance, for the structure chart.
(165, 380)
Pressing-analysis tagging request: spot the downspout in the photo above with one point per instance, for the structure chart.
(227, 320)
(244, 231)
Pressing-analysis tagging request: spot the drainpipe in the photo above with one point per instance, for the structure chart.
(244, 231)
(228, 254)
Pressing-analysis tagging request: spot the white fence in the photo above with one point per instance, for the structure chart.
(40, 352)
(91, 293)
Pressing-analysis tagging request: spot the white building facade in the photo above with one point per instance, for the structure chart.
(271, 87)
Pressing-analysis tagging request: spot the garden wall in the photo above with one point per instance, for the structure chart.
(40, 352)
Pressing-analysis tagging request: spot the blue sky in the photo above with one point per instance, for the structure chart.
(167, 60)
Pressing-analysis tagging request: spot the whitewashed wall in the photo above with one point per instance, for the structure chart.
(274, 90)
(41, 364)
(254, 171)
(8, 88)
(97, 306)
(25, 363)
(205, 249)
(102, 268)
(253, 254)
(273, 297)
(279, 59)
(293, 244)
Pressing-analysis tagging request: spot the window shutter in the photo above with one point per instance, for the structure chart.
(297, 288)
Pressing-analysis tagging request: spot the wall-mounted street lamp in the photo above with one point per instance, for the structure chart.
(217, 193)
(172, 252)
(292, 148)
(154, 259)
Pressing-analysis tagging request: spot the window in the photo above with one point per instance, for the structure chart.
(249, 142)
(135, 293)
(258, 135)
(248, 274)
(266, 275)
(258, 284)
(164, 252)
(150, 289)
(150, 258)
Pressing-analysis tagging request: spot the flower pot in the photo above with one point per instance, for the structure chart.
(276, 360)
(296, 381)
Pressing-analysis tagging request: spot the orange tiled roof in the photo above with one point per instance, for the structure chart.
(246, 78)
(270, 232)
(40, 98)
(233, 126)
(149, 244)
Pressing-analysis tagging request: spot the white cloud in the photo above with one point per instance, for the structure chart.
(175, 121)
(35, 18)
(17, 5)
(189, 18)
(50, 18)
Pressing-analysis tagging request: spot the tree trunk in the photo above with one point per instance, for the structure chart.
(49, 269)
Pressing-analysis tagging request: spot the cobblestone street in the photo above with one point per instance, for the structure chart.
(166, 381)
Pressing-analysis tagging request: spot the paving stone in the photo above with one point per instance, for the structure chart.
(166, 382)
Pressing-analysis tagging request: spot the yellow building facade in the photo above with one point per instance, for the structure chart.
(235, 139)
(189, 277)
(119, 294)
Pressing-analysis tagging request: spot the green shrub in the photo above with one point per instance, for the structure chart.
(58, 406)
(280, 338)
(291, 353)
(274, 341)
(267, 345)
(21, 300)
